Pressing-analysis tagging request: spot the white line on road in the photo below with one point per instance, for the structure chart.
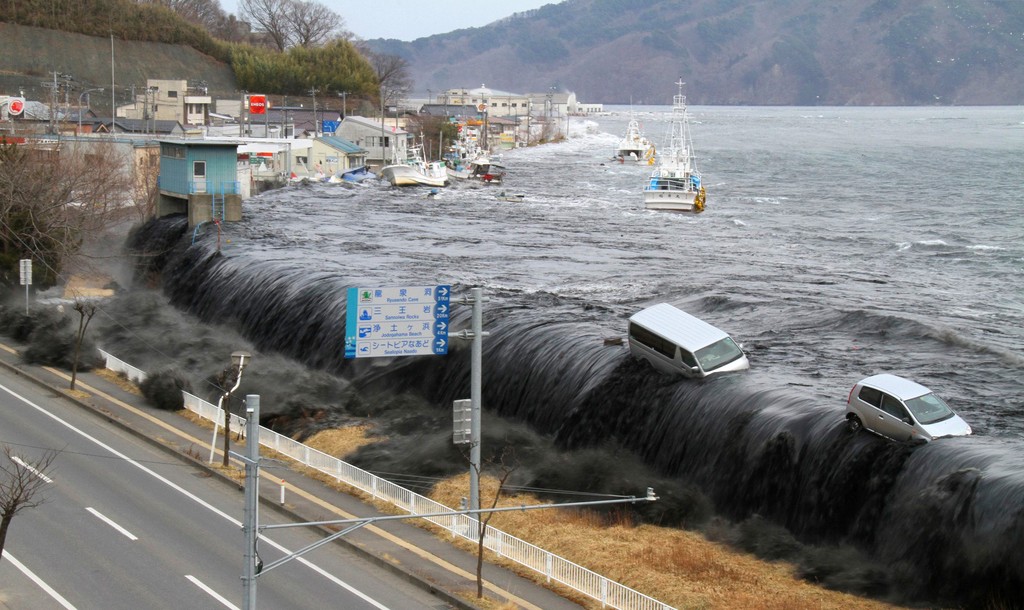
(39, 581)
(111, 523)
(20, 462)
(210, 592)
(197, 500)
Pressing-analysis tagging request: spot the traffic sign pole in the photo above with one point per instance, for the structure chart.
(26, 278)
(475, 390)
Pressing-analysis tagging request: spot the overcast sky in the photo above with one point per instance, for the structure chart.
(411, 19)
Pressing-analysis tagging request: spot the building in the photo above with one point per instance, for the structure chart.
(495, 103)
(199, 178)
(335, 155)
(384, 143)
(170, 100)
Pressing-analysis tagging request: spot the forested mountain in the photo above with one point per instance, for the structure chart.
(761, 52)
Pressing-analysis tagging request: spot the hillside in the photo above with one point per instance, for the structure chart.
(40, 52)
(755, 52)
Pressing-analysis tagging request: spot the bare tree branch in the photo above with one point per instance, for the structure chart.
(313, 24)
(21, 482)
(270, 17)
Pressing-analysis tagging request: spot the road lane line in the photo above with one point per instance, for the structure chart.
(211, 592)
(39, 581)
(195, 498)
(20, 462)
(111, 523)
(426, 555)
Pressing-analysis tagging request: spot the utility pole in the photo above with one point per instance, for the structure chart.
(477, 334)
(316, 125)
(250, 517)
(344, 106)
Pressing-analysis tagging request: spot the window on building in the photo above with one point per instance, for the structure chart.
(172, 94)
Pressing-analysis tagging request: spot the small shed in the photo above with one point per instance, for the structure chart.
(199, 178)
(333, 154)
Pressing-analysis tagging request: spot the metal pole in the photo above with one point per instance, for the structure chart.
(113, 91)
(250, 525)
(476, 360)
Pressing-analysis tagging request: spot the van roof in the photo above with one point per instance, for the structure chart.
(900, 387)
(678, 326)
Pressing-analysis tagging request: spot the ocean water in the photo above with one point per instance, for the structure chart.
(837, 243)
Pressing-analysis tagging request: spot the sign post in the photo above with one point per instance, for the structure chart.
(26, 278)
(397, 321)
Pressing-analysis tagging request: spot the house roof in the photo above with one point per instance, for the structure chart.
(144, 125)
(341, 144)
(372, 124)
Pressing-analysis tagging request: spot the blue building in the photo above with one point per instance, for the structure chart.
(199, 178)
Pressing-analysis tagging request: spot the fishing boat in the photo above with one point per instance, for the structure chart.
(467, 160)
(415, 171)
(634, 146)
(482, 167)
(675, 185)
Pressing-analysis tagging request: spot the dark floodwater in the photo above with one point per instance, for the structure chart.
(837, 243)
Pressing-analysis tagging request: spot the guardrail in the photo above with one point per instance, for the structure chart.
(120, 366)
(552, 567)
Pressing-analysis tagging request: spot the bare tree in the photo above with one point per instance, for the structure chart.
(51, 199)
(313, 24)
(393, 75)
(270, 17)
(507, 464)
(205, 13)
(21, 482)
(85, 311)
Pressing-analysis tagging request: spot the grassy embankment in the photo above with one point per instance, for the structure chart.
(677, 567)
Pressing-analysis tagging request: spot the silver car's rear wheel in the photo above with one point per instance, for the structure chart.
(853, 424)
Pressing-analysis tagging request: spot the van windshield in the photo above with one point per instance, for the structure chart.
(929, 409)
(718, 354)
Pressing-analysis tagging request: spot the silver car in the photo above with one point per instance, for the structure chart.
(901, 409)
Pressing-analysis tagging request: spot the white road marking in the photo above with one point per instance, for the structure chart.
(20, 462)
(211, 592)
(39, 581)
(198, 500)
(111, 523)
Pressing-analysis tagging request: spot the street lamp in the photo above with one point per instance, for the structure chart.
(80, 96)
(239, 360)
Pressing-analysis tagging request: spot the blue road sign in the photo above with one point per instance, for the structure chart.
(397, 321)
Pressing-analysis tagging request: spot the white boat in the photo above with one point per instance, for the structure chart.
(675, 185)
(635, 146)
(415, 171)
(481, 167)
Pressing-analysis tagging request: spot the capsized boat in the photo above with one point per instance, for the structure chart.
(675, 184)
(415, 171)
(356, 174)
(634, 146)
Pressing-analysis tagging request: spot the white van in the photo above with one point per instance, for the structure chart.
(675, 342)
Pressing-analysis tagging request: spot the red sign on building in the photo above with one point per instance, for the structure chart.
(257, 104)
(16, 106)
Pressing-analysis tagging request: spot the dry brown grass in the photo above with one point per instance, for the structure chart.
(341, 442)
(674, 566)
(677, 567)
(119, 380)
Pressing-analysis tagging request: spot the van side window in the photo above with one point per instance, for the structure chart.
(871, 396)
(653, 341)
(687, 357)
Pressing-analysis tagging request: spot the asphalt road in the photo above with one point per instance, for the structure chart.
(125, 525)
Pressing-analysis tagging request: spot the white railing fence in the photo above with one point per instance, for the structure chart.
(552, 567)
